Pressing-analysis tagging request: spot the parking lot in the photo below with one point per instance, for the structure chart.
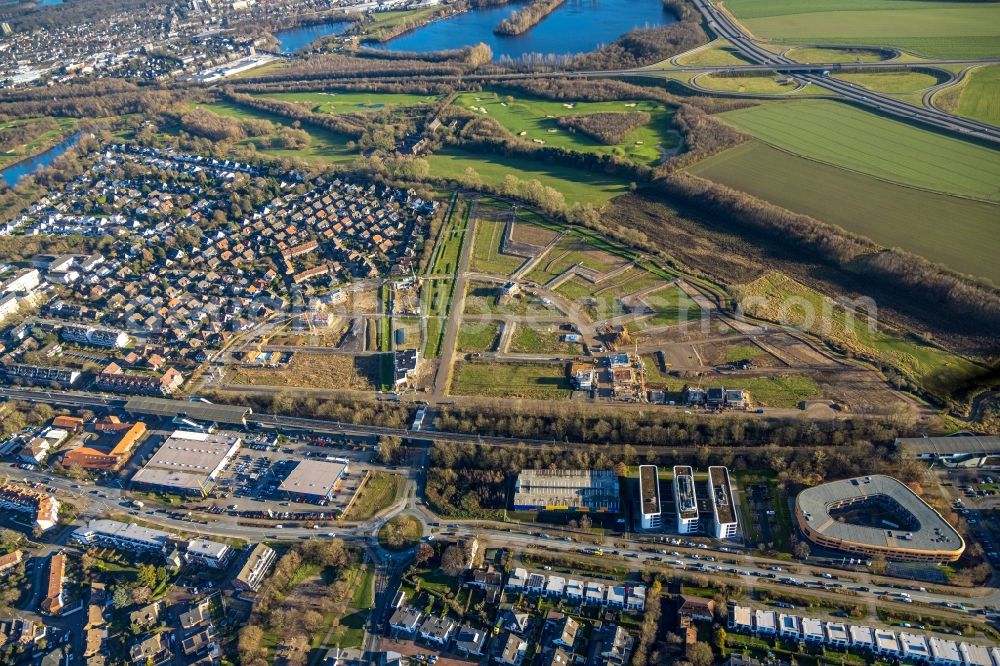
(251, 483)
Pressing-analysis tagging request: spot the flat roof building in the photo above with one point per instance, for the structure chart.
(121, 536)
(313, 480)
(649, 497)
(916, 533)
(258, 563)
(685, 500)
(188, 462)
(196, 411)
(948, 448)
(586, 490)
(720, 492)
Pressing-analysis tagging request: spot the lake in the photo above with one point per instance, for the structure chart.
(577, 26)
(293, 39)
(15, 172)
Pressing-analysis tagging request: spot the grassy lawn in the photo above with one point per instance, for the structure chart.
(575, 184)
(779, 391)
(478, 336)
(449, 248)
(541, 339)
(508, 380)
(38, 144)
(382, 21)
(325, 146)
(481, 298)
(981, 95)
(672, 306)
(379, 493)
(741, 352)
(936, 370)
(847, 137)
(821, 55)
(400, 533)
(536, 119)
(936, 29)
(334, 102)
(763, 85)
(587, 251)
(717, 54)
(889, 214)
(325, 371)
(893, 83)
(486, 257)
(364, 596)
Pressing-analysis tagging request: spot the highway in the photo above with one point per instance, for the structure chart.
(724, 26)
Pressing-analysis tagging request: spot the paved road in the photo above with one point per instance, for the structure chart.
(724, 26)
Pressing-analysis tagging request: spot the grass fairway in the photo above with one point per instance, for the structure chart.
(351, 102)
(981, 95)
(893, 83)
(935, 29)
(889, 214)
(509, 380)
(776, 297)
(536, 118)
(325, 146)
(575, 184)
(847, 137)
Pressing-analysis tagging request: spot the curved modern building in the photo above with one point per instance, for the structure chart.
(876, 516)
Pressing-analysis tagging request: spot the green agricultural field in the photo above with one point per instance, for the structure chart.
(533, 119)
(759, 85)
(894, 83)
(889, 214)
(509, 380)
(716, 54)
(326, 147)
(334, 102)
(938, 371)
(575, 184)
(478, 336)
(980, 97)
(39, 144)
(930, 28)
(486, 257)
(848, 137)
(821, 55)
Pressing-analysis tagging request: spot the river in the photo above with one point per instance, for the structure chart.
(577, 26)
(294, 39)
(15, 172)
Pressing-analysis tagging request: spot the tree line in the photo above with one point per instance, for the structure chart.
(608, 425)
(525, 19)
(607, 128)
